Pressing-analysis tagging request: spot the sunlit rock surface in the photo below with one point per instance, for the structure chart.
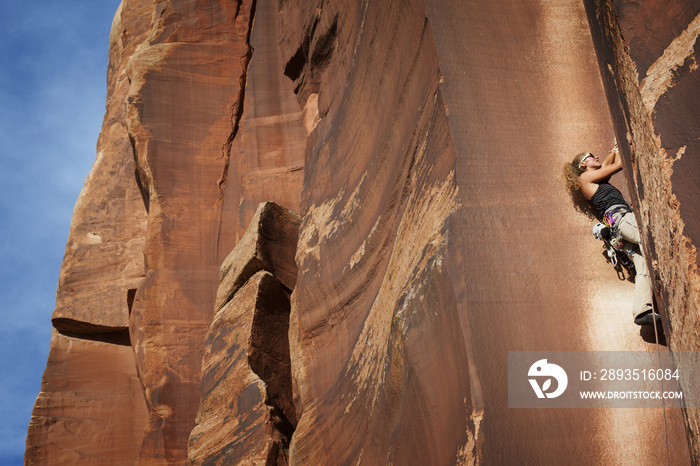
(159, 211)
(91, 407)
(440, 235)
(185, 116)
(421, 143)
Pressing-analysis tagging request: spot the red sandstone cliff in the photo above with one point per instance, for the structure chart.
(197, 133)
(421, 144)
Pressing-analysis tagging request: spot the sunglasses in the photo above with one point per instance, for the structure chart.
(584, 158)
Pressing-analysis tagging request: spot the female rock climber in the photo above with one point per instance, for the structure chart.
(587, 174)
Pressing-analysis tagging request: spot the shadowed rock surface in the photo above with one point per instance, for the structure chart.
(91, 406)
(422, 144)
(246, 414)
(270, 243)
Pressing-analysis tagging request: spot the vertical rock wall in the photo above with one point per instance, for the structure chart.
(377, 353)
(188, 120)
(648, 58)
(168, 197)
(267, 156)
(436, 234)
(91, 408)
(246, 413)
(524, 95)
(180, 112)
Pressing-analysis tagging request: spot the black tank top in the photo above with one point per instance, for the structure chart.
(606, 196)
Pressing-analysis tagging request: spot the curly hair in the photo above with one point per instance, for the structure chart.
(571, 173)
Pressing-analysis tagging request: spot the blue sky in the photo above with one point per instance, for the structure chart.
(53, 58)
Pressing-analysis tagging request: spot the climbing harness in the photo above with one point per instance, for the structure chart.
(617, 250)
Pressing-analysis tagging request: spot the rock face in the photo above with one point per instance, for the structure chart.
(178, 121)
(158, 214)
(91, 406)
(270, 243)
(246, 414)
(422, 144)
(239, 421)
(648, 57)
(440, 235)
(375, 330)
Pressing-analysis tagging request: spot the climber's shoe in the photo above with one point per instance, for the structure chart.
(647, 318)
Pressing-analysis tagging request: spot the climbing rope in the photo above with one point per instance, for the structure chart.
(615, 248)
(663, 402)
